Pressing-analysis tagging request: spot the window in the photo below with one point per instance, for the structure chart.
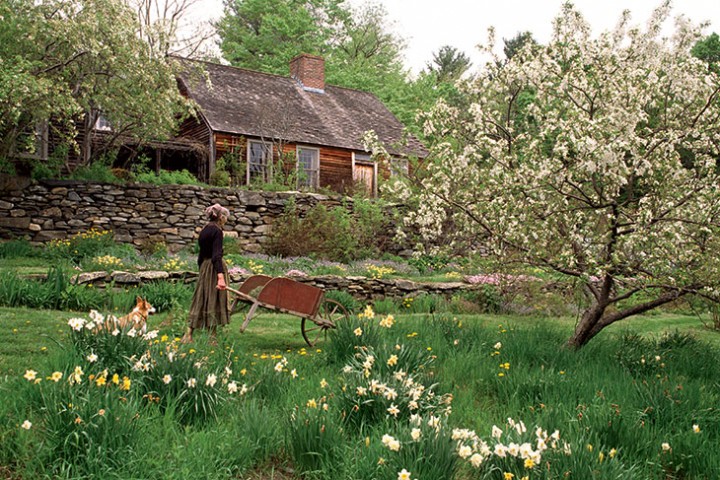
(259, 159)
(102, 123)
(32, 142)
(399, 166)
(308, 167)
(363, 158)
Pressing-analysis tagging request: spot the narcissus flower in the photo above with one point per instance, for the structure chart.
(404, 475)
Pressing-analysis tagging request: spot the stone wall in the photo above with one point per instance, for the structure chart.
(362, 288)
(139, 213)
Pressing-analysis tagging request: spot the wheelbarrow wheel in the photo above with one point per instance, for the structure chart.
(314, 331)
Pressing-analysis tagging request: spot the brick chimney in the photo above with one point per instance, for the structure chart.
(309, 71)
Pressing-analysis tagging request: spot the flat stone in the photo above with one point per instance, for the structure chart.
(153, 275)
(15, 222)
(88, 277)
(47, 235)
(406, 284)
(124, 277)
(51, 212)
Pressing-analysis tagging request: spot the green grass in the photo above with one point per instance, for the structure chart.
(619, 392)
(30, 335)
(24, 265)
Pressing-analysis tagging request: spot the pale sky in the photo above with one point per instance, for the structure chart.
(427, 25)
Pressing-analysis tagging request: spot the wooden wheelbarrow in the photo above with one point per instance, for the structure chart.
(285, 295)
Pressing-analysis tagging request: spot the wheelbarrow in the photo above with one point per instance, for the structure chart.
(285, 295)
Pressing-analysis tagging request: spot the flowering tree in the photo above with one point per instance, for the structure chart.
(596, 158)
(69, 61)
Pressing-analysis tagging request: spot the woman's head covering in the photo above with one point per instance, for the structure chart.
(213, 212)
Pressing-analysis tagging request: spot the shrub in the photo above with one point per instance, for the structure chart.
(331, 234)
(98, 171)
(165, 177)
(486, 299)
(429, 263)
(83, 245)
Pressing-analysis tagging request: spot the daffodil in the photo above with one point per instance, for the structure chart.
(404, 475)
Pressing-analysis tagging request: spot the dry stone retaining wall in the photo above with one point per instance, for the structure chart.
(139, 213)
(359, 287)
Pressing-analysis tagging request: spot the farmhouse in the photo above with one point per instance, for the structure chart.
(295, 126)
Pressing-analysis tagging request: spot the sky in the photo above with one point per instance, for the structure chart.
(427, 25)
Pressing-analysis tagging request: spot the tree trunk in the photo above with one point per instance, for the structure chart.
(587, 327)
(595, 318)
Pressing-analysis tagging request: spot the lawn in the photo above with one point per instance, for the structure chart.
(264, 405)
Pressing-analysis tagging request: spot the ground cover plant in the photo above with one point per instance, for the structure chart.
(389, 396)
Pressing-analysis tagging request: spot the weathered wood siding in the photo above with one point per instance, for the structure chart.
(335, 163)
(336, 169)
(335, 166)
(227, 143)
(196, 129)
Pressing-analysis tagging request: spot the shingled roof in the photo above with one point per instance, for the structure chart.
(255, 104)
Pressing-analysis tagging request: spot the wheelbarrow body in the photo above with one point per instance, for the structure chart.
(286, 295)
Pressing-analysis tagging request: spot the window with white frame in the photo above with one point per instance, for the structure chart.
(308, 167)
(259, 158)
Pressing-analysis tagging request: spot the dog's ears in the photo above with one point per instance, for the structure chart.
(139, 299)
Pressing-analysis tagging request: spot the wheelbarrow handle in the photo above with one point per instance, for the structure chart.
(236, 292)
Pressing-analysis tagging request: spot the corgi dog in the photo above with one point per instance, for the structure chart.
(137, 318)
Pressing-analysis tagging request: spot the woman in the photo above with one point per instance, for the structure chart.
(209, 307)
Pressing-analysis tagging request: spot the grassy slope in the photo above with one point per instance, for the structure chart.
(28, 335)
